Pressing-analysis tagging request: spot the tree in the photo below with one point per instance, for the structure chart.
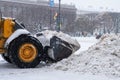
(104, 22)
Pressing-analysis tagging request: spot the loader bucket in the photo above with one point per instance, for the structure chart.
(61, 48)
(60, 44)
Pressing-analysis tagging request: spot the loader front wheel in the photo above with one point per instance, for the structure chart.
(25, 52)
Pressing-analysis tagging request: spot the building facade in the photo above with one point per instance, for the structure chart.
(37, 14)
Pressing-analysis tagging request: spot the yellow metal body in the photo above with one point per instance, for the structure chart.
(6, 30)
(27, 52)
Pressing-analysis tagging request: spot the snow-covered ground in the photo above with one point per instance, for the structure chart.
(76, 67)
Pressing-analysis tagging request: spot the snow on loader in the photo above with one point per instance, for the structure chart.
(18, 46)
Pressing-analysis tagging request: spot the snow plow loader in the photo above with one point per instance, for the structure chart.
(25, 50)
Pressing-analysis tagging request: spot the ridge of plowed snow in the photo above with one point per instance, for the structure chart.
(101, 58)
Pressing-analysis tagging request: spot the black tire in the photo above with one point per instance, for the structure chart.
(14, 51)
(6, 58)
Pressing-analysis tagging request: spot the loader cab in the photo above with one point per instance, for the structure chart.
(6, 30)
(7, 27)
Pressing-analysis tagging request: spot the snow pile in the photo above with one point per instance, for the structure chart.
(49, 34)
(101, 58)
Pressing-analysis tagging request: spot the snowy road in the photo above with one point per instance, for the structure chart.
(10, 72)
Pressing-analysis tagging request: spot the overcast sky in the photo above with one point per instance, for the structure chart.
(97, 5)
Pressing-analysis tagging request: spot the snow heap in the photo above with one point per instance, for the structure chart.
(49, 34)
(101, 58)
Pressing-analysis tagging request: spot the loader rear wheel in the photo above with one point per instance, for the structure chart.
(6, 58)
(25, 52)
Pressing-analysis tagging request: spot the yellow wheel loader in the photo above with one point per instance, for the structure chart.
(17, 45)
(25, 50)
